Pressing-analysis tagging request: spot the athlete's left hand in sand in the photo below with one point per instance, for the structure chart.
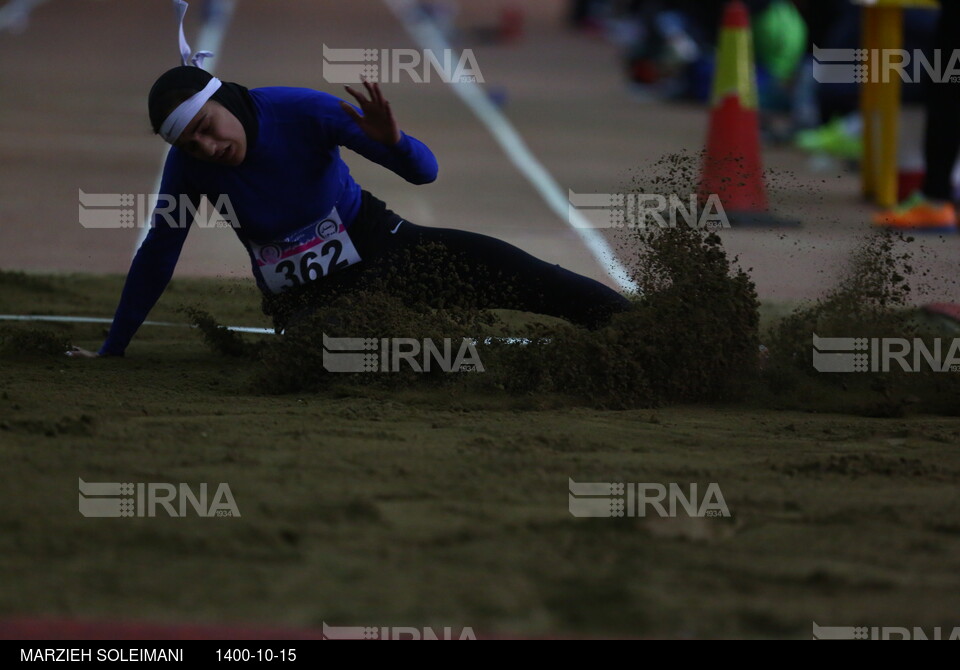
(377, 120)
(77, 352)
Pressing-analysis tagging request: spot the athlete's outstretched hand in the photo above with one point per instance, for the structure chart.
(377, 120)
(77, 352)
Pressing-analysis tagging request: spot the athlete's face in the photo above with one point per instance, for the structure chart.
(214, 135)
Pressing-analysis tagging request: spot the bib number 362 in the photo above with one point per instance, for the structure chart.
(307, 255)
(312, 266)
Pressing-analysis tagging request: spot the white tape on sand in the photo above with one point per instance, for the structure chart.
(91, 319)
(426, 33)
(235, 329)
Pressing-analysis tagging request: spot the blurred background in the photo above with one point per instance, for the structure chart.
(599, 90)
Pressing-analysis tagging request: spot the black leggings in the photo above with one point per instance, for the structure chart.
(942, 143)
(441, 267)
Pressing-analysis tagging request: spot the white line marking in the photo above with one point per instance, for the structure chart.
(212, 34)
(425, 32)
(235, 329)
(90, 319)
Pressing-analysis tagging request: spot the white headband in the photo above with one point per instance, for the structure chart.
(180, 118)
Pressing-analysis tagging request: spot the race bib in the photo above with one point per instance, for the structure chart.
(306, 255)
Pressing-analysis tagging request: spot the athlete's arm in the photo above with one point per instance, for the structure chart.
(154, 263)
(149, 275)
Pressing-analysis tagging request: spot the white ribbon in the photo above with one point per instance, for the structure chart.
(174, 125)
(181, 117)
(180, 8)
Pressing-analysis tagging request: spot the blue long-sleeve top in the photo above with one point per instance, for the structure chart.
(292, 176)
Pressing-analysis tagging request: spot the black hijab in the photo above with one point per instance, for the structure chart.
(176, 85)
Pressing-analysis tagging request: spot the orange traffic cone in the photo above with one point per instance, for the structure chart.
(732, 167)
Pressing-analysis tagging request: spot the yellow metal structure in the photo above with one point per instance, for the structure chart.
(880, 100)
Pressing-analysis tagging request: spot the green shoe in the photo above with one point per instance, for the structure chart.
(834, 138)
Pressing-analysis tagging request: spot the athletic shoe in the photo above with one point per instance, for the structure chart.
(839, 138)
(917, 213)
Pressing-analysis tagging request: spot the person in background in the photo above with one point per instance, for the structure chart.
(676, 42)
(932, 208)
(828, 114)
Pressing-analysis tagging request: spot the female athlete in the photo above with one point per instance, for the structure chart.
(307, 226)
